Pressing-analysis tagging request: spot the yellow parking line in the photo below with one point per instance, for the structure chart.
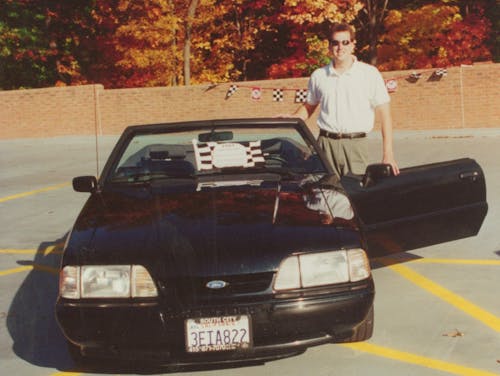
(448, 296)
(456, 261)
(29, 193)
(53, 249)
(416, 359)
(42, 268)
(15, 270)
(20, 251)
(66, 374)
(404, 258)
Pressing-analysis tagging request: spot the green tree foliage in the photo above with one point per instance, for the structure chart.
(33, 51)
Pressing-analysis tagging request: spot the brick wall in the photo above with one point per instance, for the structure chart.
(467, 97)
(47, 112)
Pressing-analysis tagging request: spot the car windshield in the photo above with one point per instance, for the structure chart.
(217, 151)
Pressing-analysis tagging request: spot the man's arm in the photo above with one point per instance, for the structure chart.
(384, 113)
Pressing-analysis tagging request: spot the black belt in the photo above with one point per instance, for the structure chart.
(337, 136)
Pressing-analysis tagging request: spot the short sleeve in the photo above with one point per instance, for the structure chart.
(380, 93)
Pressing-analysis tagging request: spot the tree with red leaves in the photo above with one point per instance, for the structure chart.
(433, 35)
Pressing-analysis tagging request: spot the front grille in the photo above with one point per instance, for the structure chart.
(217, 311)
(194, 290)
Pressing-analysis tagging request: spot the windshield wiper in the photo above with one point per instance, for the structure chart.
(284, 172)
(147, 177)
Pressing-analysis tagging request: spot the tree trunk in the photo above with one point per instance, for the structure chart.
(187, 42)
(375, 12)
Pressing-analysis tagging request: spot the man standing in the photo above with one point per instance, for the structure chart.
(349, 94)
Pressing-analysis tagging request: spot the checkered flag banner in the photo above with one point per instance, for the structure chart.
(441, 72)
(232, 89)
(210, 155)
(415, 75)
(300, 96)
(278, 95)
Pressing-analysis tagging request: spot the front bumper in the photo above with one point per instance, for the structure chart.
(149, 331)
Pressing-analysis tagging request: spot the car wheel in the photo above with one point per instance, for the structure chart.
(363, 331)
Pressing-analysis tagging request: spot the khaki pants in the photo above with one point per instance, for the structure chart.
(345, 155)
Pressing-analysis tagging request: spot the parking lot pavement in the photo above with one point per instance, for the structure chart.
(437, 309)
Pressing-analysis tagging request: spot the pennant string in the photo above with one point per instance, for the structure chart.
(301, 93)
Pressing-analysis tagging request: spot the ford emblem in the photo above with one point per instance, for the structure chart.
(215, 285)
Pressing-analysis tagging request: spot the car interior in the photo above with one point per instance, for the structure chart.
(179, 160)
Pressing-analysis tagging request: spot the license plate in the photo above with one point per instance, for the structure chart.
(217, 333)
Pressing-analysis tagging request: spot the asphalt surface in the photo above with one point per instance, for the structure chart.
(437, 309)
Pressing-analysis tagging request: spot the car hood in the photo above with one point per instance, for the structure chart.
(212, 228)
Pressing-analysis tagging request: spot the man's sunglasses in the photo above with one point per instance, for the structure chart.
(344, 42)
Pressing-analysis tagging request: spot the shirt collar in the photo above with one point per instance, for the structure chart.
(332, 72)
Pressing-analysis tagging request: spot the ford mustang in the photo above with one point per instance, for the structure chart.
(231, 240)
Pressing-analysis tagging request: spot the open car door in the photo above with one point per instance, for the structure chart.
(422, 206)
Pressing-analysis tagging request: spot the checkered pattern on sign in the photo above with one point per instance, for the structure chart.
(254, 153)
(278, 95)
(232, 89)
(441, 72)
(204, 154)
(301, 96)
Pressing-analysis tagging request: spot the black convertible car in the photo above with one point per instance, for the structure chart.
(228, 240)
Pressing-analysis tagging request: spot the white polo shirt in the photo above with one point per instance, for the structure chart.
(348, 100)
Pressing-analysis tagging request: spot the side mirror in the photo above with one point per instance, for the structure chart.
(85, 184)
(376, 172)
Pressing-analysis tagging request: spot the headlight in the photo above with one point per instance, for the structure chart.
(106, 281)
(323, 268)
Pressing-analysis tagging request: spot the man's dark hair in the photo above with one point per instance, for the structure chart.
(339, 27)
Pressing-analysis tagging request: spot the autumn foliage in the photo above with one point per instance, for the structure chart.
(137, 43)
(433, 35)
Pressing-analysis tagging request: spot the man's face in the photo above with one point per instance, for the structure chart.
(342, 46)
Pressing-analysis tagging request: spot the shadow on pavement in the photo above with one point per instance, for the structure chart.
(139, 368)
(31, 323)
